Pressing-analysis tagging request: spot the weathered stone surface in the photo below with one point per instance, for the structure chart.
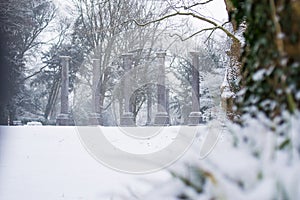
(127, 119)
(63, 118)
(161, 118)
(195, 118)
(95, 119)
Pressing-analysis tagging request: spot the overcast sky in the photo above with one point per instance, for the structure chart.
(215, 9)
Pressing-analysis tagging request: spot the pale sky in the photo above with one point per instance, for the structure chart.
(216, 9)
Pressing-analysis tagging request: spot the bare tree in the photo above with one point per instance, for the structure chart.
(106, 31)
(190, 9)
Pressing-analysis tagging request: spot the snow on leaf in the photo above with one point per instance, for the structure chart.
(257, 76)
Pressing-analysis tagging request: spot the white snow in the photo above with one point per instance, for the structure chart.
(225, 89)
(298, 95)
(51, 163)
(280, 35)
(253, 168)
(238, 163)
(259, 75)
(226, 94)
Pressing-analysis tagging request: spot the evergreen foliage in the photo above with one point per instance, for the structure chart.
(270, 58)
(21, 24)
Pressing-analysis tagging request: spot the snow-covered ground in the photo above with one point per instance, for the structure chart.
(48, 162)
(247, 163)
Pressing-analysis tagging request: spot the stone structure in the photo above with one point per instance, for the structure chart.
(168, 101)
(161, 117)
(195, 116)
(149, 106)
(95, 116)
(127, 118)
(62, 119)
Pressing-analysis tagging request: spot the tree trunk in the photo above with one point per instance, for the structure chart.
(233, 71)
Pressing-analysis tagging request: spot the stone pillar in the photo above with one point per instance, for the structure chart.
(168, 103)
(95, 115)
(127, 118)
(149, 106)
(195, 116)
(161, 117)
(62, 119)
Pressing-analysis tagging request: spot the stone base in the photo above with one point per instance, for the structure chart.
(95, 119)
(161, 119)
(62, 120)
(195, 118)
(127, 119)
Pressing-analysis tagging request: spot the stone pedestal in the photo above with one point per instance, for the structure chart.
(161, 119)
(62, 120)
(127, 119)
(195, 118)
(95, 119)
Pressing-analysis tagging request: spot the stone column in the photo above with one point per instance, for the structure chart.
(195, 116)
(149, 106)
(168, 103)
(127, 118)
(161, 117)
(95, 115)
(63, 118)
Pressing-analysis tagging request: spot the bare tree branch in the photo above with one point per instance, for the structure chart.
(193, 15)
(213, 32)
(196, 33)
(35, 73)
(196, 4)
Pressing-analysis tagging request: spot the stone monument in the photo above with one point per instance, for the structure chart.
(161, 117)
(195, 116)
(127, 118)
(95, 116)
(62, 119)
